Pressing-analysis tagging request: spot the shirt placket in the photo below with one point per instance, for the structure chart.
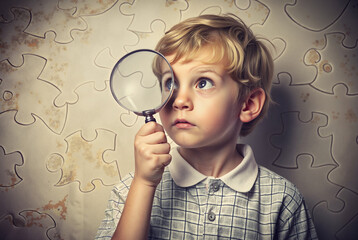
(211, 216)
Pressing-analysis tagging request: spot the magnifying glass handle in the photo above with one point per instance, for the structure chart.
(149, 118)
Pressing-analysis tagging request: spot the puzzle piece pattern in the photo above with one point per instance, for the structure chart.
(21, 88)
(306, 135)
(85, 7)
(82, 162)
(143, 14)
(64, 141)
(344, 63)
(46, 17)
(9, 162)
(36, 226)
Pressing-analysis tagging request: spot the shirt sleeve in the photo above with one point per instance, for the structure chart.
(114, 209)
(297, 223)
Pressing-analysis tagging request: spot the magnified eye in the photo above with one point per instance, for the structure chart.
(204, 84)
(168, 83)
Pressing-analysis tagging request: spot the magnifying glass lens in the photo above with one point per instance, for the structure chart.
(142, 82)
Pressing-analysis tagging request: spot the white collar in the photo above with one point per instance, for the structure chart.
(241, 178)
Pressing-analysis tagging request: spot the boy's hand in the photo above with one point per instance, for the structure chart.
(151, 151)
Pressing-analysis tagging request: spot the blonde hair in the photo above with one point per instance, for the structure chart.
(248, 60)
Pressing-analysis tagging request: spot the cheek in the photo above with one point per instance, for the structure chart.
(164, 117)
(218, 118)
(223, 117)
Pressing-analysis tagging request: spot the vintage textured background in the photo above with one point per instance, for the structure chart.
(64, 141)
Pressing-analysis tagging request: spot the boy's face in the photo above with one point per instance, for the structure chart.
(204, 109)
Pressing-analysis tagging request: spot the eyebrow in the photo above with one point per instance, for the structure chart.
(208, 70)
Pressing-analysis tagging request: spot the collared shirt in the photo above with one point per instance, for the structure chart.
(249, 202)
(241, 178)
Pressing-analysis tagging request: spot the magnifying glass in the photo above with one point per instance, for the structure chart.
(142, 81)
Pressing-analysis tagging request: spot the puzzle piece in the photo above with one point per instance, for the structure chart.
(302, 137)
(36, 225)
(321, 189)
(148, 40)
(71, 65)
(8, 169)
(13, 41)
(304, 13)
(84, 211)
(23, 91)
(332, 222)
(344, 129)
(82, 162)
(105, 59)
(333, 69)
(67, 65)
(6, 13)
(146, 12)
(306, 99)
(341, 125)
(346, 25)
(90, 106)
(243, 4)
(46, 16)
(105, 113)
(25, 137)
(86, 7)
(251, 12)
(43, 196)
(291, 60)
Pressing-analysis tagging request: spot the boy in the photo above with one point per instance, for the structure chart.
(213, 188)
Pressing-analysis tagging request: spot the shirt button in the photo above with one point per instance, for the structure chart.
(215, 187)
(211, 216)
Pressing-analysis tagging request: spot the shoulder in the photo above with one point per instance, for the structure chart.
(282, 191)
(268, 178)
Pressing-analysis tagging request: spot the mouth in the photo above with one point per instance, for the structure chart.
(182, 123)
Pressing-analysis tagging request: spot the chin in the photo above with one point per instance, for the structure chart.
(188, 144)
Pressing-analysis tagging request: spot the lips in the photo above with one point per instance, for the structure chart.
(182, 123)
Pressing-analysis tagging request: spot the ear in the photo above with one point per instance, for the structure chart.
(253, 105)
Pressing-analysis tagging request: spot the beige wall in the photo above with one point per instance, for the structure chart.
(64, 141)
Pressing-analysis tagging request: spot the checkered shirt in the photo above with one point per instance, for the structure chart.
(219, 208)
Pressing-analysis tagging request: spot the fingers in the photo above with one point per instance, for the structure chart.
(166, 159)
(151, 133)
(162, 148)
(149, 128)
(156, 138)
(149, 151)
(151, 145)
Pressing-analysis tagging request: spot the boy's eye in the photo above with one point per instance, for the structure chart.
(205, 84)
(169, 84)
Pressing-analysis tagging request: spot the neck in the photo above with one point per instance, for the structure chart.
(212, 161)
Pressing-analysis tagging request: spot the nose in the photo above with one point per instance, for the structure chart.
(182, 99)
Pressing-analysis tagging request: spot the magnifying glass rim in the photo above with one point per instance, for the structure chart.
(146, 111)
